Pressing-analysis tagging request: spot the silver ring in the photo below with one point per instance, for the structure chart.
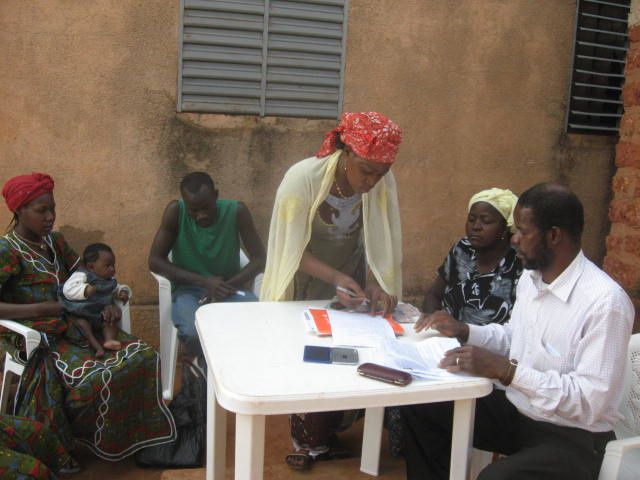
(457, 360)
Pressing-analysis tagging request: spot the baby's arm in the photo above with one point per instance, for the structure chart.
(77, 288)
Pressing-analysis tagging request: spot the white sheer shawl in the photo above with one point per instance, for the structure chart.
(304, 187)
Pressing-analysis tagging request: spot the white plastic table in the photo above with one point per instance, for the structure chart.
(255, 368)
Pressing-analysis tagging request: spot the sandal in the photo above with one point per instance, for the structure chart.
(72, 466)
(300, 460)
(334, 453)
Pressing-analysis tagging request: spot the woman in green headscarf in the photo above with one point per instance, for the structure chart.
(477, 281)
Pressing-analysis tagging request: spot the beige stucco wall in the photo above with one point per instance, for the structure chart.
(88, 94)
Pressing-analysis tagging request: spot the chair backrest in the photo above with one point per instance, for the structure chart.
(244, 260)
(629, 426)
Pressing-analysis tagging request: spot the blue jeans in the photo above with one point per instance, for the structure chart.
(183, 313)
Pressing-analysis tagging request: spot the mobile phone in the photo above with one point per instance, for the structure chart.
(340, 355)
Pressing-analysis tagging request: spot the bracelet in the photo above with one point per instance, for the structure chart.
(511, 371)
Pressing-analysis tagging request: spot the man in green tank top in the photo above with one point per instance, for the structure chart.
(202, 234)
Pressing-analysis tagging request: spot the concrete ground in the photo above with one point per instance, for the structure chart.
(277, 445)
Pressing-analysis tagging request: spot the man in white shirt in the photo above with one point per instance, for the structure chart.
(560, 358)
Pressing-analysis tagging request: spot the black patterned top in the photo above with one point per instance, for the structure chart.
(478, 298)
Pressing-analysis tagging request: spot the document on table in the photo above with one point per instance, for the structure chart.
(359, 329)
(420, 359)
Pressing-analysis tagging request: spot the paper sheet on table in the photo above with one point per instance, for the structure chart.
(359, 329)
(420, 359)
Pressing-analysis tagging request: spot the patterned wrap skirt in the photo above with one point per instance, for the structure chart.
(112, 405)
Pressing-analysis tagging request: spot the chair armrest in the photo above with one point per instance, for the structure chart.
(620, 447)
(618, 460)
(31, 337)
(162, 281)
(257, 284)
(125, 320)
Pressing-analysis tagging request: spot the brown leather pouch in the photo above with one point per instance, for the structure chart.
(385, 374)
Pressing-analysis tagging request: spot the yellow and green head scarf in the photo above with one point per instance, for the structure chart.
(504, 201)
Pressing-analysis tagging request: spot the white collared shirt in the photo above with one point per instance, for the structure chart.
(570, 339)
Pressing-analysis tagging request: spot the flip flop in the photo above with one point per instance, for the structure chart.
(72, 466)
(300, 460)
(334, 453)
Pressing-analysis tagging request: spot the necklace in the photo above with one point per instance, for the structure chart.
(335, 182)
(340, 192)
(38, 261)
(41, 244)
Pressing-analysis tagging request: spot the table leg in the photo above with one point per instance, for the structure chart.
(464, 412)
(249, 447)
(216, 433)
(371, 440)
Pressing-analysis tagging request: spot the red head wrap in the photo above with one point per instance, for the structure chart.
(22, 189)
(370, 135)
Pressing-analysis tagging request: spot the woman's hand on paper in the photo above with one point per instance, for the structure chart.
(444, 323)
(379, 300)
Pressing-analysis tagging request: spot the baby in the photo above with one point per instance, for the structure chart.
(89, 290)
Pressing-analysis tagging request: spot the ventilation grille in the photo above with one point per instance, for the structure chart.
(600, 51)
(263, 57)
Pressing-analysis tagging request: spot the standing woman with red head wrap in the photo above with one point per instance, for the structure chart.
(113, 405)
(336, 227)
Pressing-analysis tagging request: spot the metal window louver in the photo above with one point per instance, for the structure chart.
(597, 76)
(262, 57)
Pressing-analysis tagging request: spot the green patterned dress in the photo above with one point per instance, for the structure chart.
(29, 450)
(113, 405)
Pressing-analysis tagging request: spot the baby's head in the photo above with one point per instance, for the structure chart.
(99, 259)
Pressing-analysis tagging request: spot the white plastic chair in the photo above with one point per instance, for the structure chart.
(622, 457)
(13, 367)
(169, 333)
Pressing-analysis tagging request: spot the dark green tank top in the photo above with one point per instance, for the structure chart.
(210, 251)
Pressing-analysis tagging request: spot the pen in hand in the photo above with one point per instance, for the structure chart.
(351, 293)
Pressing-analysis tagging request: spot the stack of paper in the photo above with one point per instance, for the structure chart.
(420, 359)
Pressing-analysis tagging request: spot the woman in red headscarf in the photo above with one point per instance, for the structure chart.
(336, 228)
(111, 405)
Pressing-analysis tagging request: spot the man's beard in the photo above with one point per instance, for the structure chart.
(543, 257)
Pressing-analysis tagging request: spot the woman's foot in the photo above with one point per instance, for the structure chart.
(302, 459)
(72, 466)
(112, 345)
(99, 352)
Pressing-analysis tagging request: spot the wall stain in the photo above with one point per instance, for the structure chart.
(79, 238)
(184, 146)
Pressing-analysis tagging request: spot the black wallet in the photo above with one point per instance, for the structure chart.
(385, 374)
